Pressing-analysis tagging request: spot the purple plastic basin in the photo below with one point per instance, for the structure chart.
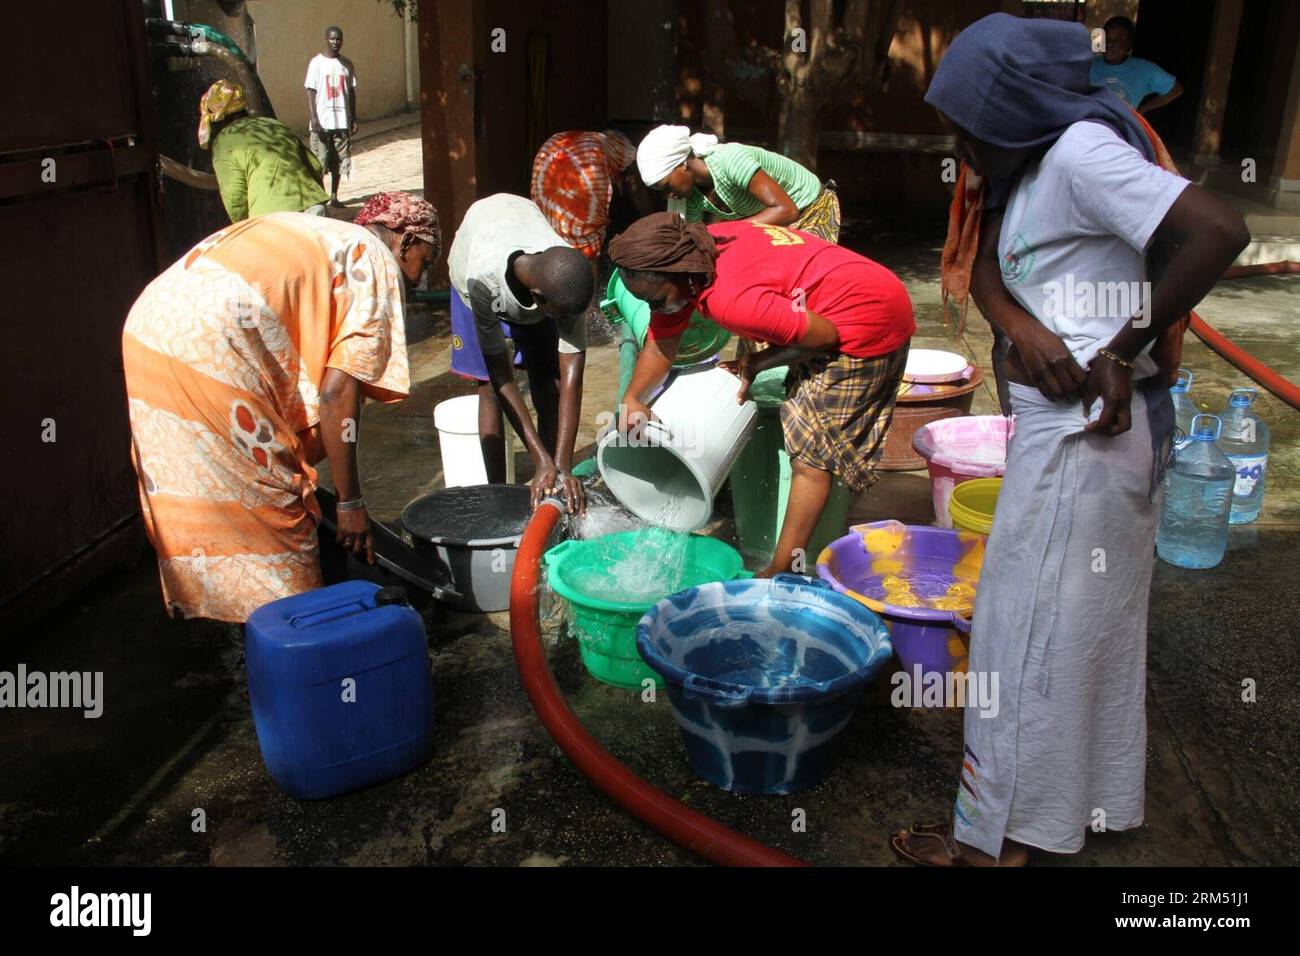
(920, 580)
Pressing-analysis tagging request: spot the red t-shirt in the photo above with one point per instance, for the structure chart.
(764, 272)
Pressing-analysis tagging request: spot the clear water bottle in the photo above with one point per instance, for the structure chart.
(1245, 442)
(1184, 410)
(1198, 496)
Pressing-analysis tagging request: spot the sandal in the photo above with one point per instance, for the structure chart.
(899, 843)
(931, 831)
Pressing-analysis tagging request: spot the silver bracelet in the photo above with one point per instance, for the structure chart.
(356, 504)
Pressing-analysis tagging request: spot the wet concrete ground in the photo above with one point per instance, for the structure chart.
(176, 736)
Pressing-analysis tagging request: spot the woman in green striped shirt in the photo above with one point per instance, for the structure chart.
(733, 181)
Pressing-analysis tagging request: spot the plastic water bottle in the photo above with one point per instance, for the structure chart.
(1184, 410)
(1245, 442)
(1198, 496)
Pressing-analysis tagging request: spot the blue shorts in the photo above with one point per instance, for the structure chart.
(536, 346)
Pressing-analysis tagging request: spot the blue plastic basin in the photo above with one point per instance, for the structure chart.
(762, 676)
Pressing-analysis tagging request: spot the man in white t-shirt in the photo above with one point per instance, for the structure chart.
(332, 108)
(512, 274)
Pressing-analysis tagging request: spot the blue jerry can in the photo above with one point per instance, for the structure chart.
(341, 688)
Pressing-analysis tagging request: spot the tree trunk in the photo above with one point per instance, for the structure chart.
(800, 121)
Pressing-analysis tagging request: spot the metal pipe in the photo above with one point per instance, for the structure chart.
(186, 174)
(199, 39)
(406, 59)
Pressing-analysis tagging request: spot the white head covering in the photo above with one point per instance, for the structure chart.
(667, 147)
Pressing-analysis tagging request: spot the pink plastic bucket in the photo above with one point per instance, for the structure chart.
(959, 449)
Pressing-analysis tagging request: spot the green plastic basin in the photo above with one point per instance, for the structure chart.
(603, 618)
(760, 482)
(701, 340)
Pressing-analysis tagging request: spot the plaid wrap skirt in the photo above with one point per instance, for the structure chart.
(837, 410)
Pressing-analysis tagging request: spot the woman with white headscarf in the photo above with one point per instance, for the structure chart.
(720, 181)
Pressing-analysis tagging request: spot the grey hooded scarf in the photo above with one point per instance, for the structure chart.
(1019, 83)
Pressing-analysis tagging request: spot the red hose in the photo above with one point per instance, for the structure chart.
(1284, 389)
(1263, 269)
(701, 835)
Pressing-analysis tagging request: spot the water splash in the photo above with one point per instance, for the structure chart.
(604, 516)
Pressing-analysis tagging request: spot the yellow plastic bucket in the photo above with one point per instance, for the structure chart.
(973, 503)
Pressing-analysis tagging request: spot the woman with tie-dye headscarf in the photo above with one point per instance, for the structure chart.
(577, 178)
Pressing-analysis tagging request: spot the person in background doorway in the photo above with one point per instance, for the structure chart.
(246, 364)
(1074, 189)
(332, 108)
(840, 321)
(723, 181)
(260, 164)
(1132, 78)
(513, 275)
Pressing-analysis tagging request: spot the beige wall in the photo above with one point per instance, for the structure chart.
(1099, 11)
(290, 32)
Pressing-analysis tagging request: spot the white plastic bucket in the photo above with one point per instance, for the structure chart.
(462, 456)
(670, 475)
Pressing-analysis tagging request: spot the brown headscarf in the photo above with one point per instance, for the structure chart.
(665, 242)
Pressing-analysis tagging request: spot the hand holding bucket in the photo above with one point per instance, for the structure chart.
(670, 475)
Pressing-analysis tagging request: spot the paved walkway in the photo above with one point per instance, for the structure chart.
(386, 156)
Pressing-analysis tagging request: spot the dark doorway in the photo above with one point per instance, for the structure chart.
(1261, 73)
(1176, 37)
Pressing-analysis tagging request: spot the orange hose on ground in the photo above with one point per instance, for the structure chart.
(1284, 389)
(698, 833)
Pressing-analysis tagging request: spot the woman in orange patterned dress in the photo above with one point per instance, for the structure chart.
(246, 365)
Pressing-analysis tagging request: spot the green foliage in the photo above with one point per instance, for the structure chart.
(403, 8)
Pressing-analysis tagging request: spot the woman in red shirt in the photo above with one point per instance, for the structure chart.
(840, 321)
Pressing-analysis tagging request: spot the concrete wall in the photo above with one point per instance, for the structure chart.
(1099, 11)
(290, 32)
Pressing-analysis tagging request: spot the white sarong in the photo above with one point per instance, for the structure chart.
(1061, 617)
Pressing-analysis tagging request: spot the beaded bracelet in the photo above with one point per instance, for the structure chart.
(1107, 353)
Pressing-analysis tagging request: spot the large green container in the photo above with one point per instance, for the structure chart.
(604, 622)
(760, 483)
(701, 340)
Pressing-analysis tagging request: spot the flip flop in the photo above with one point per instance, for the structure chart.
(899, 844)
(931, 831)
(930, 827)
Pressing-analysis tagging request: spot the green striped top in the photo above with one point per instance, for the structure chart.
(732, 166)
